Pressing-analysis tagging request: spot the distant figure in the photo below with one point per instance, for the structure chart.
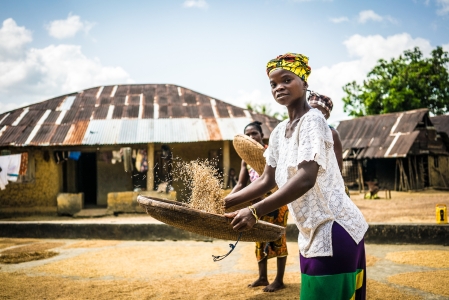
(232, 179)
(324, 104)
(373, 188)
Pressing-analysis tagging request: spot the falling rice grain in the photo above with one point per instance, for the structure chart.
(201, 177)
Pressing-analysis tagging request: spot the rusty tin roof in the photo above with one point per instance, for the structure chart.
(441, 123)
(127, 114)
(381, 136)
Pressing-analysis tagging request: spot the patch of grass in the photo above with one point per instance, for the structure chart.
(20, 257)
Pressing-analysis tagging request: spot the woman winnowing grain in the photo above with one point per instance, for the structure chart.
(265, 251)
(301, 161)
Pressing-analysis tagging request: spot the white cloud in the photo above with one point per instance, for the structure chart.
(366, 50)
(339, 20)
(12, 39)
(443, 7)
(369, 15)
(69, 27)
(445, 47)
(374, 47)
(39, 74)
(196, 3)
(11, 106)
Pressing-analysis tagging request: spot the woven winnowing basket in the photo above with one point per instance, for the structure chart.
(250, 151)
(181, 216)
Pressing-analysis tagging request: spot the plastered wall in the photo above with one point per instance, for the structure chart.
(40, 193)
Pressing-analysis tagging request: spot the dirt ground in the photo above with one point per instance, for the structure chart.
(403, 207)
(95, 269)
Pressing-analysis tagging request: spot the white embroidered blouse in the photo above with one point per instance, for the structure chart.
(325, 203)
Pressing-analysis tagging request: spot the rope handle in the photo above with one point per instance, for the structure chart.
(221, 257)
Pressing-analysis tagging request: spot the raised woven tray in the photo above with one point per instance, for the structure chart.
(181, 216)
(250, 151)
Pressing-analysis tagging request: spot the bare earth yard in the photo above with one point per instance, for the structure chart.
(98, 269)
(403, 207)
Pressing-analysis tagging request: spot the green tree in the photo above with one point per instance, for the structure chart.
(266, 110)
(405, 83)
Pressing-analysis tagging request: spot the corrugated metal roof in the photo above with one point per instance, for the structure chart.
(127, 114)
(102, 132)
(229, 127)
(388, 135)
(441, 123)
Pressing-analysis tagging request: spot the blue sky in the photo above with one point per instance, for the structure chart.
(219, 48)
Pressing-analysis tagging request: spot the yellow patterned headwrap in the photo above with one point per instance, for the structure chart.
(293, 62)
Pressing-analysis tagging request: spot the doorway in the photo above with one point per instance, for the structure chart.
(87, 178)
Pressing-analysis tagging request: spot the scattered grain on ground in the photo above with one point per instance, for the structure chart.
(92, 244)
(6, 243)
(426, 258)
(184, 270)
(371, 260)
(21, 286)
(134, 262)
(436, 282)
(380, 291)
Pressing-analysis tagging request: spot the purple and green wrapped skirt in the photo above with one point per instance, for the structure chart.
(341, 276)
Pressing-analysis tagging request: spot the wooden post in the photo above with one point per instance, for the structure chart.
(150, 173)
(415, 165)
(361, 182)
(410, 174)
(404, 176)
(226, 162)
(421, 172)
(395, 174)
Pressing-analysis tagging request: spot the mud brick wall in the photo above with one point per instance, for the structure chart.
(42, 192)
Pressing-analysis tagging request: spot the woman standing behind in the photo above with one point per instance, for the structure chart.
(265, 251)
(301, 161)
(325, 105)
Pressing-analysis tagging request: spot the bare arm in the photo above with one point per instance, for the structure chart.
(338, 149)
(243, 178)
(297, 186)
(257, 189)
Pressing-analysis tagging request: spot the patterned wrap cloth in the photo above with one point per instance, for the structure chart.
(321, 100)
(279, 217)
(293, 62)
